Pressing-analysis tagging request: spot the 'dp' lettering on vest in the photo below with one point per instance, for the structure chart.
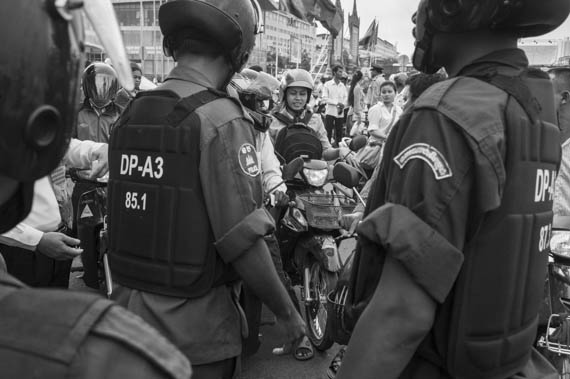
(160, 238)
(495, 303)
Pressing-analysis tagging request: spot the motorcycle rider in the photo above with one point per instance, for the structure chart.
(454, 244)
(59, 333)
(296, 94)
(123, 96)
(99, 111)
(179, 267)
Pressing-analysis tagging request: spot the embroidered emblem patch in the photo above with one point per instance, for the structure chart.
(247, 157)
(428, 154)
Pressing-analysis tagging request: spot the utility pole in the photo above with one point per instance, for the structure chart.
(154, 37)
(276, 59)
(141, 35)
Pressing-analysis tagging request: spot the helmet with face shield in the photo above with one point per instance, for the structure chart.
(522, 18)
(41, 58)
(254, 88)
(100, 84)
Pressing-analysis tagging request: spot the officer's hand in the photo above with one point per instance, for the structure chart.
(281, 199)
(100, 163)
(59, 246)
(294, 327)
(348, 221)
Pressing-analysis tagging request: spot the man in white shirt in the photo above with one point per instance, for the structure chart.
(335, 96)
(37, 251)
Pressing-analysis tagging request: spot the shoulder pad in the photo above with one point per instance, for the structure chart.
(130, 330)
(433, 95)
(223, 110)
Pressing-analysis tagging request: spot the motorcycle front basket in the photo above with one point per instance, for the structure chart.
(323, 211)
(557, 336)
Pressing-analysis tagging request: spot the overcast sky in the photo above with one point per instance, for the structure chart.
(395, 21)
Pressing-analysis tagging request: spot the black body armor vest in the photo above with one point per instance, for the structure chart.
(491, 316)
(160, 239)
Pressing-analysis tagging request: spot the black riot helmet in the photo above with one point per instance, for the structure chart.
(522, 18)
(232, 24)
(100, 84)
(41, 58)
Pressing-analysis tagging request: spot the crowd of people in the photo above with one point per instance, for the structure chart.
(441, 285)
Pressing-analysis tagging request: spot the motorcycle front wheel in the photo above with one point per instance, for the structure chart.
(321, 282)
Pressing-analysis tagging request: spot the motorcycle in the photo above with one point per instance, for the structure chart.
(91, 231)
(307, 240)
(340, 326)
(554, 336)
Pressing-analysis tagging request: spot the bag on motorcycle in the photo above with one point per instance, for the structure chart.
(296, 140)
(369, 156)
(357, 282)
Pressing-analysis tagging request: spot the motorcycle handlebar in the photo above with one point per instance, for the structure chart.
(84, 176)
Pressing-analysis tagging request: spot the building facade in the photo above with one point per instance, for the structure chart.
(287, 41)
(546, 52)
(138, 22)
(291, 38)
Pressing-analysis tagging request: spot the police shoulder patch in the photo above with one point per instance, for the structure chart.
(247, 157)
(428, 154)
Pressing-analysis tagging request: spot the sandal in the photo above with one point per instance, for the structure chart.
(304, 350)
(335, 364)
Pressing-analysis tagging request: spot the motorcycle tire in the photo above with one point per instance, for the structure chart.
(320, 284)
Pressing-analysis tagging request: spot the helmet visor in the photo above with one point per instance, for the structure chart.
(102, 17)
(101, 89)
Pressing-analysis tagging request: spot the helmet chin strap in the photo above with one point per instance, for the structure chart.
(292, 111)
(422, 57)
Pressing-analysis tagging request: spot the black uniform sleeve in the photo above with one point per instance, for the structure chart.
(428, 169)
(231, 177)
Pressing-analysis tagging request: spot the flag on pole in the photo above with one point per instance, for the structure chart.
(323, 11)
(298, 8)
(368, 41)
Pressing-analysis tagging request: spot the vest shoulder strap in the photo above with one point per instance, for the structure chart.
(188, 105)
(434, 94)
(515, 87)
(281, 117)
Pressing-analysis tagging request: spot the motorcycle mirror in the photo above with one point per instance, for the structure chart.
(357, 143)
(292, 168)
(346, 175)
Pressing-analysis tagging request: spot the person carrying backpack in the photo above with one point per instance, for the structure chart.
(294, 112)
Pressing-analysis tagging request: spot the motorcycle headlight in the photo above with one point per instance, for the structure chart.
(316, 178)
(560, 242)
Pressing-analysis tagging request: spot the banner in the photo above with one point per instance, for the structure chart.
(295, 50)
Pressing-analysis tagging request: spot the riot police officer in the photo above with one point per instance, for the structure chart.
(187, 219)
(58, 334)
(455, 239)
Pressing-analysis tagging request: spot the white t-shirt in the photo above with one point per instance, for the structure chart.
(382, 119)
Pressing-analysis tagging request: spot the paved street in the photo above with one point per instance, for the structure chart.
(264, 365)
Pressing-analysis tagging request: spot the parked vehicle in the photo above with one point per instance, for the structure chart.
(91, 230)
(339, 324)
(554, 334)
